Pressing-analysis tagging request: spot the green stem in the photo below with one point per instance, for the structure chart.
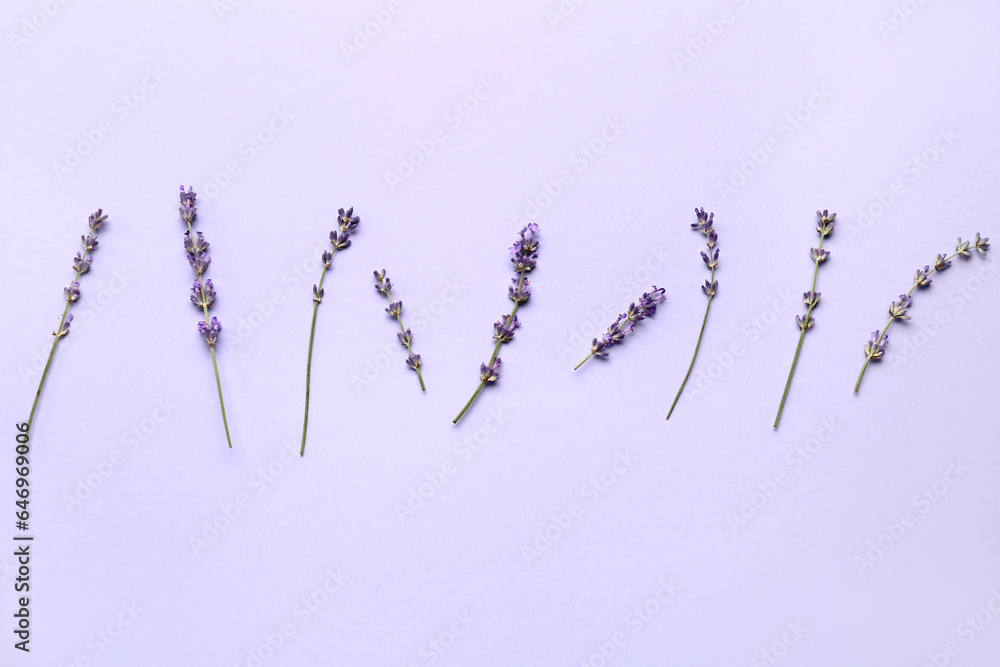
(802, 334)
(58, 334)
(312, 335)
(696, 347)
(584, 361)
(211, 346)
(496, 350)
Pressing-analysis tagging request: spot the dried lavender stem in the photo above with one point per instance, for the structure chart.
(889, 324)
(696, 347)
(584, 361)
(496, 351)
(312, 335)
(211, 347)
(52, 352)
(409, 349)
(802, 335)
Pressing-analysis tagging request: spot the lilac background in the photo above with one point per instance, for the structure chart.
(199, 81)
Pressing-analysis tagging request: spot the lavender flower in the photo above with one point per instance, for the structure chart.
(383, 285)
(824, 226)
(705, 225)
(875, 347)
(347, 222)
(203, 291)
(524, 257)
(81, 265)
(636, 312)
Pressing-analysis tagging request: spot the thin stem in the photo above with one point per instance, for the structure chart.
(211, 346)
(696, 347)
(857, 384)
(58, 334)
(496, 349)
(312, 335)
(584, 361)
(802, 334)
(469, 404)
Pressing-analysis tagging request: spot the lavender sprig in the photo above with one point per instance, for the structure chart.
(824, 226)
(347, 222)
(81, 265)
(524, 257)
(711, 259)
(202, 291)
(623, 325)
(405, 336)
(875, 347)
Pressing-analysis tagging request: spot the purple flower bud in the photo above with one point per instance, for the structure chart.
(941, 262)
(705, 221)
(72, 293)
(318, 294)
(340, 241)
(347, 220)
(709, 288)
(804, 322)
(811, 298)
(922, 278)
(874, 348)
(897, 309)
(203, 295)
(210, 332)
(519, 291)
(599, 348)
(81, 265)
(825, 225)
(413, 361)
(195, 245)
(89, 241)
(819, 255)
(65, 327)
(327, 258)
(395, 308)
(712, 238)
(96, 220)
(963, 249)
(405, 339)
(490, 373)
(199, 262)
(982, 245)
(187, 208)
(382, 284)
(504, 332)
